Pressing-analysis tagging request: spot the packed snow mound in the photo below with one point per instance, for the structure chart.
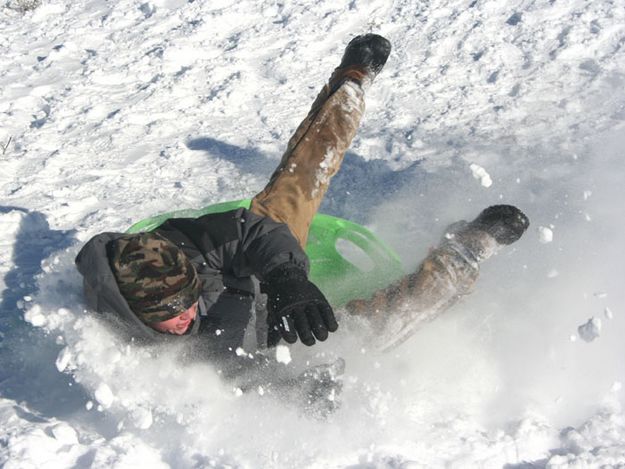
(114, 111)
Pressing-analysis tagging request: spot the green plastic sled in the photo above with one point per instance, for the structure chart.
(347, 261)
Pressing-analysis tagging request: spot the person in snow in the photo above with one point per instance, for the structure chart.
(194, 277)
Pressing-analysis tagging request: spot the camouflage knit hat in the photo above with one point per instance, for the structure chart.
(154, 276)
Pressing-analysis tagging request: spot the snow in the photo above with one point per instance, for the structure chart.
(114, 111)
(64, 434)
(104, 395)
(553, 273)
(545, 235)
(63, 359)
(283, 354)
(590, 330)
(481, 174)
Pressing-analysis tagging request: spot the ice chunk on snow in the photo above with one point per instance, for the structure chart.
(283, 354)
(590, 330)
(553, 273)
(545, 235)
(65, 434)
(148, 9)
(481, 174)
(35, 316)
(600, 294)
(104, 395)
(142, 418)
(608, 313)
(63, 359)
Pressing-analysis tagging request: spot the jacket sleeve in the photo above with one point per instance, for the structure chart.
(266, 244)
(238, 242)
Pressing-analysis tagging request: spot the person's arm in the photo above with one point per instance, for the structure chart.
(265, 245)
(296, 307)
(241, 243)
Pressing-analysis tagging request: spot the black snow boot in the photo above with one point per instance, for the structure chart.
(369, 51)
(495, 226)
(362, 60)
(505, 223)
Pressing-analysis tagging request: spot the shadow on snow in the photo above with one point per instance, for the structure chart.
(358, 187)
(26, 372)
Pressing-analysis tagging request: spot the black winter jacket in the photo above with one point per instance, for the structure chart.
(227, 250)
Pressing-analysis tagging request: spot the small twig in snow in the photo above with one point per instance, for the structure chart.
(4, 147)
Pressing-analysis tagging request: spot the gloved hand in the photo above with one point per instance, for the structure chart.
(295, 306)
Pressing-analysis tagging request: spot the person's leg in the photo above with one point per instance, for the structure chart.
(313, 156)
(315, 152)
(447, 273)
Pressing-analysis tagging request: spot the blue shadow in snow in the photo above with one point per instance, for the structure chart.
(358, 187)
(27, 371)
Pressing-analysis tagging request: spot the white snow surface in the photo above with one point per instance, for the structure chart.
(114, 111)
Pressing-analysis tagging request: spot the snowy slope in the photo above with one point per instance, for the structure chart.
(113, 111)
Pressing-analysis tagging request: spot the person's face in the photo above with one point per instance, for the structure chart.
(177, 325)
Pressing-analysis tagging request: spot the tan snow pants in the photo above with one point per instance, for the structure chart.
(295, 191)
(313, 155)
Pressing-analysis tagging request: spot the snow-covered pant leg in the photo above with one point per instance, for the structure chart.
(314, 154)
(446, 274)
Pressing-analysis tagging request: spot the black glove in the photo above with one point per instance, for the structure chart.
(295, 306)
